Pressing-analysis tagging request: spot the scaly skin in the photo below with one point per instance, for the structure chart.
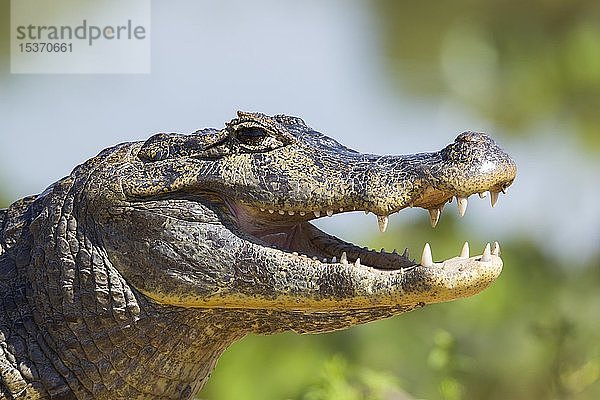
(129, 277)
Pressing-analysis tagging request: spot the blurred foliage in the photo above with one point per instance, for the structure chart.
(3, 197)
(339, 382)
(535, 334)
(516, 63)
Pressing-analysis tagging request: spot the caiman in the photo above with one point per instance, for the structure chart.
(128, 278)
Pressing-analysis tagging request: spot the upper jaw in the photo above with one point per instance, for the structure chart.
(289, 231)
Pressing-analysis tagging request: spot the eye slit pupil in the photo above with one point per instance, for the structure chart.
(251, 132)
(251, 135)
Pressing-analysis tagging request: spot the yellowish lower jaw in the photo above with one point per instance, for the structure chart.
(425, 283)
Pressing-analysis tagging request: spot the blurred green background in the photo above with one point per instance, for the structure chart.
(381, 76)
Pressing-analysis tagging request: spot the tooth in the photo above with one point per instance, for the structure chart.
(462, 205)
(382, 222)
(317, 213)
(324, 260)
(341, 209)
(496, 249)
(382, 250)
(329, 213)
(464, 253)
(395, 251)
(487, 255)
(344, 258)
(426, 258)
(334, 259)
(290, 212)
(434, 213)
(366, 212)
(271, 211)
(295, 253)
(493, 198)
(281, 212)
(482, 195)
(302, 213)
(262, 209)
(405, 252)
(357, 262)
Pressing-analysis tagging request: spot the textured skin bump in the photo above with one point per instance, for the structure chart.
(129, 277)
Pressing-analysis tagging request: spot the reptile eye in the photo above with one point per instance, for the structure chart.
(251, 136)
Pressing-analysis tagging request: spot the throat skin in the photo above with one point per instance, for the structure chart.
(129, 277)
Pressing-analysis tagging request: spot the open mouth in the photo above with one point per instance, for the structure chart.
(290, 231)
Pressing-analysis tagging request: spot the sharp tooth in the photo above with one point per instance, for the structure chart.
(382, 222)
(434, 213)
(366, 212)
(382, 250)
(395, 251)
(324, 260)
(302, 213)
(357, 262)
(334, 259)
(482, 195)
(314, 258)
(329, 213)
(496, 249)
(262, 209)
(405, 252)
(341, 209)
(493, 198)
(295, 253)
(281, 212)
(462, 205)
(271, 211)
(464, 253)
(487, 254)
(426, 258)
(317, 213)
(290, 212)
(344, 258)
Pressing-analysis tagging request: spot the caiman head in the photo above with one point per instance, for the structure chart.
(131, 276)
(222, 218)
